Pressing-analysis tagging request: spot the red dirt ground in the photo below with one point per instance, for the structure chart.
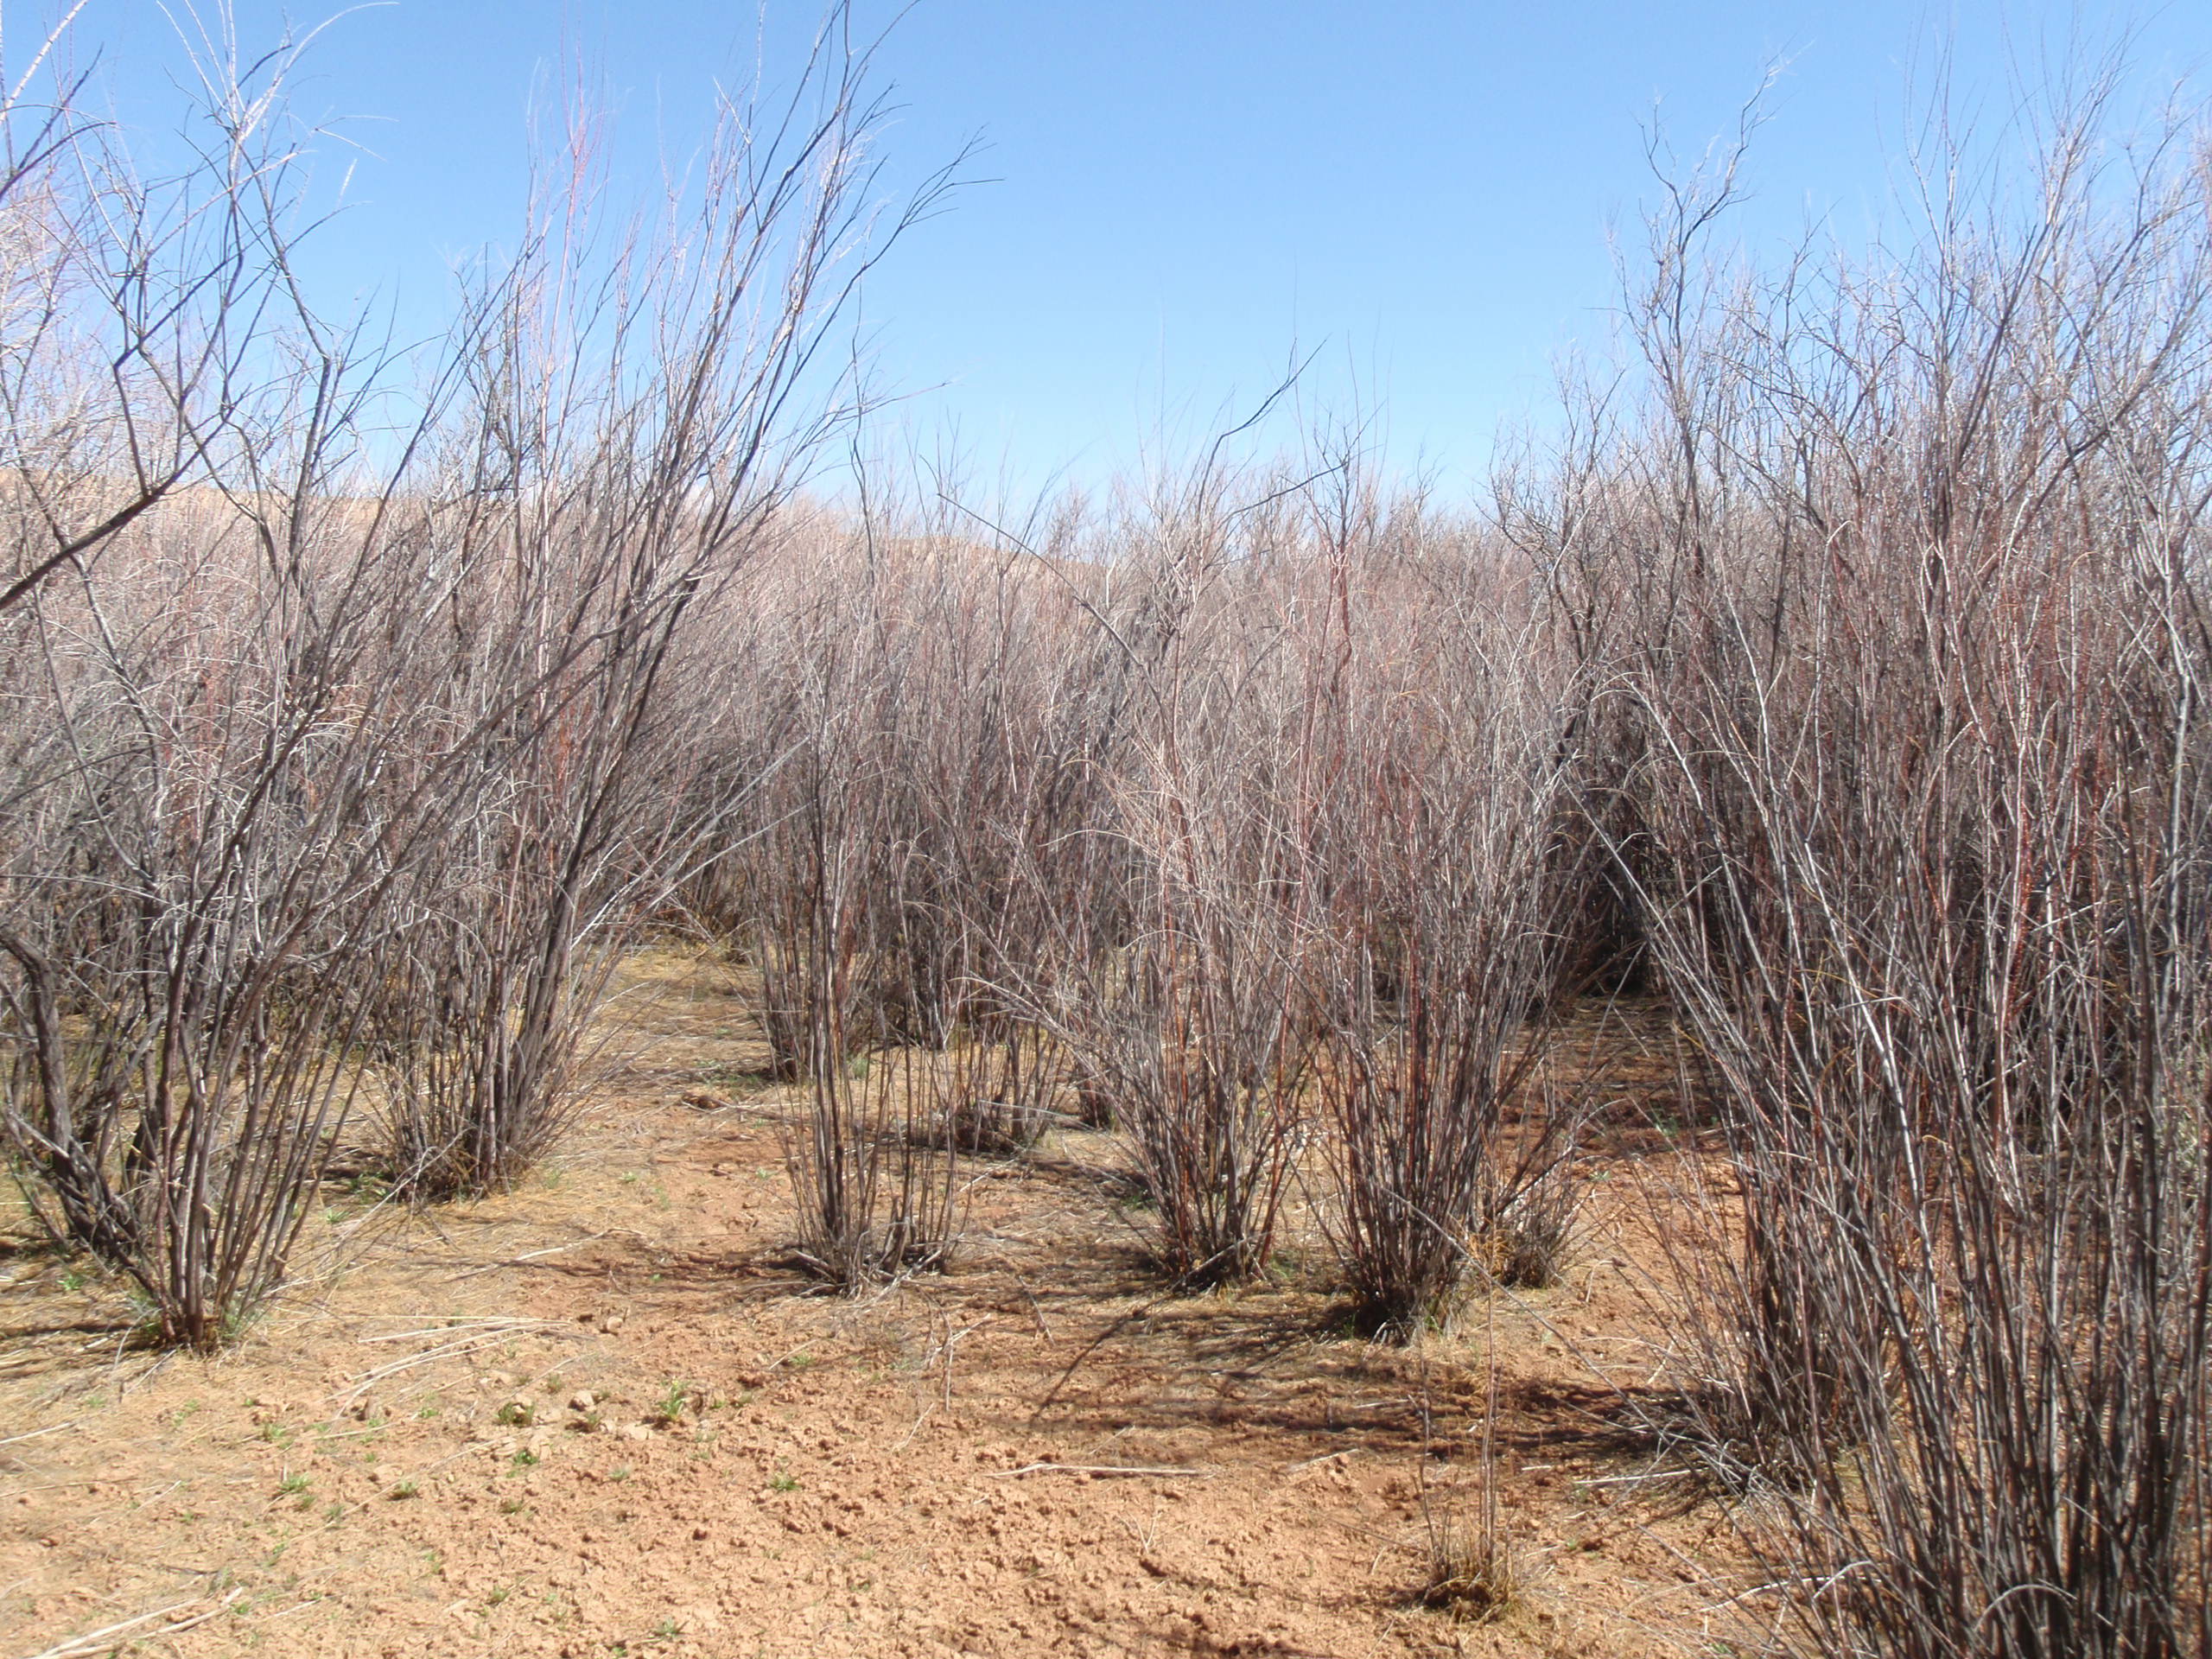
(391, 1463)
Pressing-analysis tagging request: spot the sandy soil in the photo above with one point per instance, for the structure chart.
(596, 1417)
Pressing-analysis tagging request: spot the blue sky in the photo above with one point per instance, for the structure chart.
(1173, 197)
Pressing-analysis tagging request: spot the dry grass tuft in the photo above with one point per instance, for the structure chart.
(1475, 1572)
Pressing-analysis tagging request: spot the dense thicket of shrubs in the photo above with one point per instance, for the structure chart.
(1841, 677)
(346, 693)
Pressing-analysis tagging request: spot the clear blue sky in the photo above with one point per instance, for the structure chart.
(1181, 194)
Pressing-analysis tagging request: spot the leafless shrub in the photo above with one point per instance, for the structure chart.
(1200, 1039)
(1198, 1023)
(833, 872)
(1925, 873)
(1447, 920)
(627, 493)
(220, 787)
(346, 758)
(878, 1195)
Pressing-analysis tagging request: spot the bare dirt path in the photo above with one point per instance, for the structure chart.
(597, 1417)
